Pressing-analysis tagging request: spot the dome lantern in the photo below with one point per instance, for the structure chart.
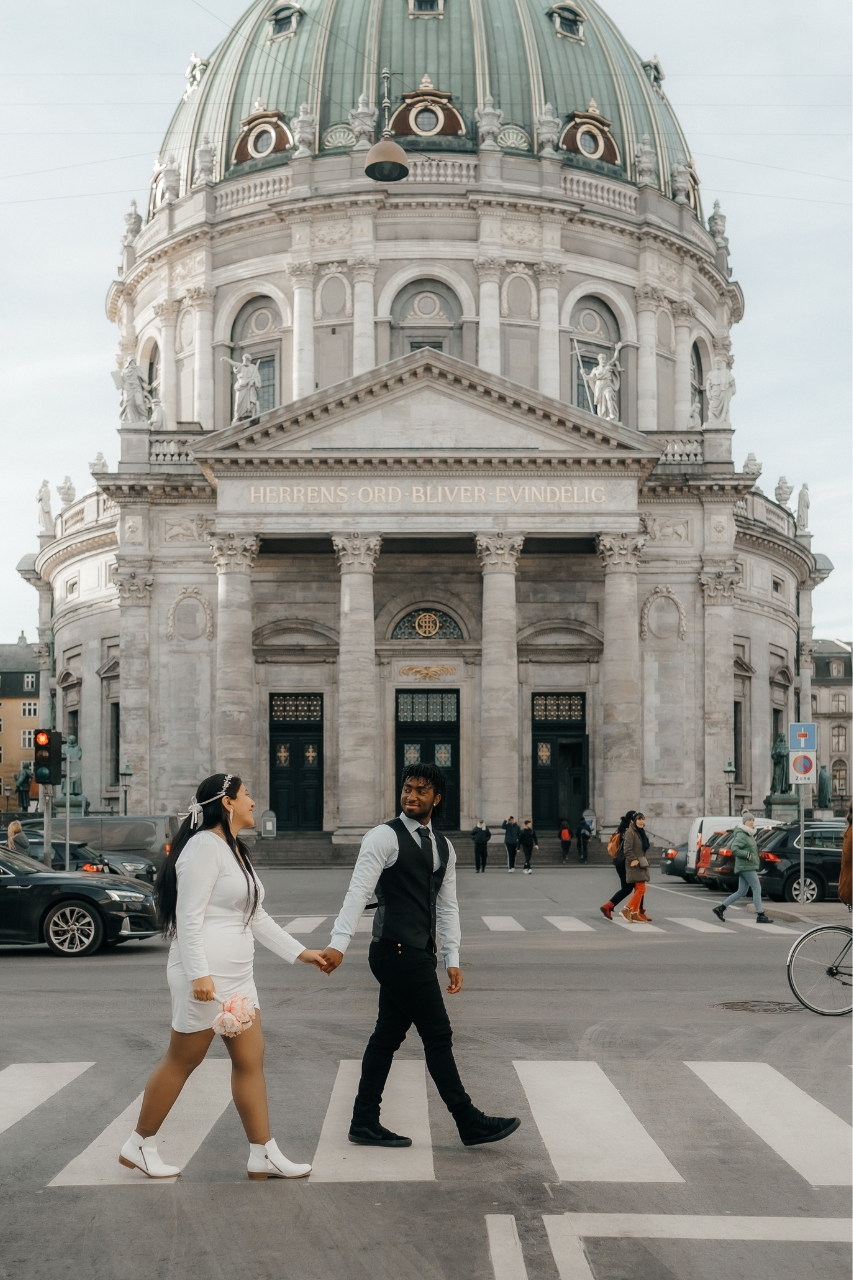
(386, 160)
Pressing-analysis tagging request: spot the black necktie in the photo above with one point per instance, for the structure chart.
(426, 844)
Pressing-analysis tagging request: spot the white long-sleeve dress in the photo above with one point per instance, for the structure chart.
(212, 935)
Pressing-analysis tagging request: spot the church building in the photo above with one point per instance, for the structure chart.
(433, 470)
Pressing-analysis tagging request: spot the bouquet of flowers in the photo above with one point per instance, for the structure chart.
(237, 1013)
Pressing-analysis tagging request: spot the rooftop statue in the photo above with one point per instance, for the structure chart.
(803, 504)
(45, 513)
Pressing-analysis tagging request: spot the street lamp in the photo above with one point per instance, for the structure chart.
(126, 774)
(8, 791)
(386, 161)
(730, 771)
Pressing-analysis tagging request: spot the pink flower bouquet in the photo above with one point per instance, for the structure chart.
(237, 1013)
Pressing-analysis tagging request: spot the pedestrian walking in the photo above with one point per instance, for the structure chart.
(635, 844)
(584, 834)
(15, 838)
(210, 904)
(411, 867)
(845, 888)
(512, 836)
(746, 864)
(529, 841)
(481, 835)
(615, 847)
(565, 839)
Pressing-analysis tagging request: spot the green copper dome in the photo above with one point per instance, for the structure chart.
(523, 53)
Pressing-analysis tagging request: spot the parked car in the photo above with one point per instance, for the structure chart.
(81, 857)
(146, 837)
(706, 862)
(702, 828)
(673, 861)
(73, 912)
(779, 854)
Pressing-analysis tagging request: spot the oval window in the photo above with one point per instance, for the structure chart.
(589, 142)
(426, 120)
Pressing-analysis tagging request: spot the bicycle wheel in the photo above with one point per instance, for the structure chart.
(820, 970)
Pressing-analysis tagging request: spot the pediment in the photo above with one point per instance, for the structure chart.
(428, 404)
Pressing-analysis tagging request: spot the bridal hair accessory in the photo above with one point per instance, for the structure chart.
(196, 805)
(238, 1013)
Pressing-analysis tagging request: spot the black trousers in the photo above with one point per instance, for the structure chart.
(528, 854)
(511, 851)
(625, 889)
(565, 845)
(409, 993)
(481, 855)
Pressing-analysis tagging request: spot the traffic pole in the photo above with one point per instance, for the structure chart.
(800, 786)
(67, 821)
(47, 792)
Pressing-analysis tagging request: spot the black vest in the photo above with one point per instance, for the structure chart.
(406, 892)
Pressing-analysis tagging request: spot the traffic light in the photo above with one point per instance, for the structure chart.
(48, 757)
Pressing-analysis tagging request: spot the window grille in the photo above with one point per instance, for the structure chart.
(29, 710)
(266, 391)
(839, 737)
(27, 736)
(566, 708)
(839, 702)
(427, 707)
(839, 779)
(296, 708)
(427, 624)
(29, 682)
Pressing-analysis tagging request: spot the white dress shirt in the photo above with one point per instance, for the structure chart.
(378, 851)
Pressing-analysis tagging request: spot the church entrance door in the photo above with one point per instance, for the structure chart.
(560, 760)
(296, 760)
(428, 733)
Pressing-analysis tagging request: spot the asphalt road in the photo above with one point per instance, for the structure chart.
(583, 1032)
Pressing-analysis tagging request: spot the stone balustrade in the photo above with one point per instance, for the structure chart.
(170, 449)
(234, 195)
(762, 510)
(589, 190)
(681, 452)
(442, 169)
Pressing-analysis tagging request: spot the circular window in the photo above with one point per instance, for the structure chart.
(590, 142)
(262, 141)
(261, 321)
(426, 305)
(426, 120)
(591, 322)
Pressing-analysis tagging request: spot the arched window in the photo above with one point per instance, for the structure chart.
(257, 330)
(839, 737)
(697, 389)
(153, 374)
(567, 20)
(839, 778)
(594, 332)
(427, 624)
(426, 313)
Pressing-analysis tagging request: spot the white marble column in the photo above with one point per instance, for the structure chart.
(201, 300)
(302, 275)
(648, 301)
(549, 327)
(134, 582)
(718, 579)
(167, 313)
(499, 758)
(358, 717)
(684, 313)
(620, 675)
(489, 343)
(363, 308)
(236, 712)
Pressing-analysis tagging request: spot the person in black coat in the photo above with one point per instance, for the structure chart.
(481, 835)
(512, 835)
(528, 841)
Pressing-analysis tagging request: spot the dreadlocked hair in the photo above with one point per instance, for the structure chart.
(209, 795)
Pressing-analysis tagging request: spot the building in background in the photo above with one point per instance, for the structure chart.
(440, 470)
(832, 685)
(20, 678)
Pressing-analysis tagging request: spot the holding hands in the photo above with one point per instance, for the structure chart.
(320, 959)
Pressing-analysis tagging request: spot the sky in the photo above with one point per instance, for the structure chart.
(762, 92)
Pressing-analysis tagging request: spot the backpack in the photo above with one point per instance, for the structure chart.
(565, 834)
(614, 844)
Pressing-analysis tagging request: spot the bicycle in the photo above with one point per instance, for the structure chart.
(820, 970)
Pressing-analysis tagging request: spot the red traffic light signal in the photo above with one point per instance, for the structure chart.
(48, 757)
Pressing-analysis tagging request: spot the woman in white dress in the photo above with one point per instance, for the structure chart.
(210, 904)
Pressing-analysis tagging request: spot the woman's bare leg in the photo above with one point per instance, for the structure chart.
(186, 1050)
(248, 1086)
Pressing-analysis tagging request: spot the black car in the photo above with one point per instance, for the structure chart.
(673, 861)
(779, 854)
(122, 837)
(81, 857)
(118, 863)
(74, 912)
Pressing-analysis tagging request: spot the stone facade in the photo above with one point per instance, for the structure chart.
(612, 589)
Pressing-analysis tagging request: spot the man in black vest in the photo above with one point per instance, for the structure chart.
(411, 867)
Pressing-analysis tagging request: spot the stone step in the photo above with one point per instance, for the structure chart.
(303, 850)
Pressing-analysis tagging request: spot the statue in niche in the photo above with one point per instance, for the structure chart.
(780, 785)
(45, 513)
(824, 789)
(135, 400)
(604, 381)
(803, 504)
(247, 381)
(644, 159)
(719, 388)
(362, 121)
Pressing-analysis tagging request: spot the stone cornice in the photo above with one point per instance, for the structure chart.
(65, 549)
(761, 539)
(708, 488)
(146, 489)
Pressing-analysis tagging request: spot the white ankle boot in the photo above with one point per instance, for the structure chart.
(268, 1162)
(141, 1153)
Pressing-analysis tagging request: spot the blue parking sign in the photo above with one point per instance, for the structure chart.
(802, 737)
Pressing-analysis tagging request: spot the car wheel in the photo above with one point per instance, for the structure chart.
(73, 929)
(815, 889)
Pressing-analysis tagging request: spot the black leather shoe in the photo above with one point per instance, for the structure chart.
(719, 912)
(376, 1135)
(763, 919)
(479, 1128)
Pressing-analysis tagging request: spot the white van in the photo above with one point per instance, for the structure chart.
(701, 830)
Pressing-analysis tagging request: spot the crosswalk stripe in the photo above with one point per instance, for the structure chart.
(26, 1085)
(503, 924)
(505, 1247)
(202, 1101)
(701, 926)
(762, 928)
(569, 924)
(590, 1132)
(635, 927)
(404, 1110)
(808, 1136)
(304, 924)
